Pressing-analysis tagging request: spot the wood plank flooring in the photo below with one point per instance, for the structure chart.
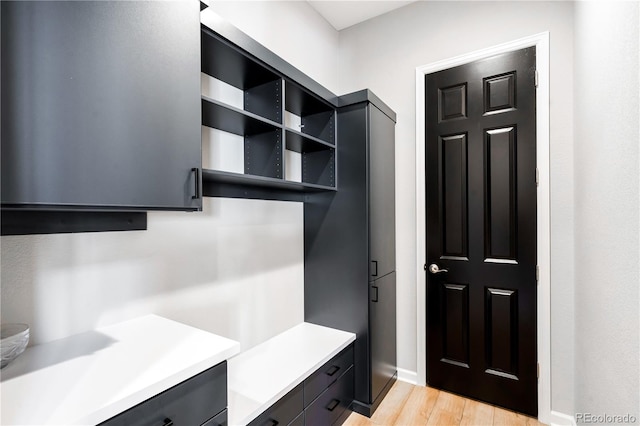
(409, 405)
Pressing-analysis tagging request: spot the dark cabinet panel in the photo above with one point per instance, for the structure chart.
(101, 104)
(382, 308)
(191, 402)
(284, 411)
(350, 243)
(332, 403)
(219, 420)
(327, 375)
(298, 421)
(382, 207)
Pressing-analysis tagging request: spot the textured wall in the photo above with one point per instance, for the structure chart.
(607, 140)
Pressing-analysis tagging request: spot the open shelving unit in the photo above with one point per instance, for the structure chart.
(251, 101)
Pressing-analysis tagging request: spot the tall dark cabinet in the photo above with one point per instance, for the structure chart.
(350, 280)
(100, 105)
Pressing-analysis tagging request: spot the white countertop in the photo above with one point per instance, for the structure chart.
(91, 377)
(265, 373)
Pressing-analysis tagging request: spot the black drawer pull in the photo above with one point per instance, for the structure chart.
(271, 422)
(333, 404)
(333, 370)
(196, 172)
(167, 422)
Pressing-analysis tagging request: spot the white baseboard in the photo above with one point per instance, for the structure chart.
(407, 376)
(560, 419)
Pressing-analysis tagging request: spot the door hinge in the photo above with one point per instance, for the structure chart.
(537, 177)
(538, 371)
(537, 273)
(536, 77)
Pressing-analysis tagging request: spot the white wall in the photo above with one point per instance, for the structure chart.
(382, 54)
(607, 112)
(216, 270)
(291, 29)
(236, 269)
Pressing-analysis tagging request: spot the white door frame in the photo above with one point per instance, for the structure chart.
(541, 42)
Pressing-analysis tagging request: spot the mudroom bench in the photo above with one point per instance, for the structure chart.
(303, 376)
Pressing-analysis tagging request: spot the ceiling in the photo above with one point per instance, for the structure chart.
(342, 14)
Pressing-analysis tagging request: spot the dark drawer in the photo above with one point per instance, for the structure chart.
(189, 403)
(315, 384)
(219, 420)
(298, 421)
(282, 412)
(332, 403)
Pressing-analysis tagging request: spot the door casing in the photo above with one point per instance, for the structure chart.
(541, 42)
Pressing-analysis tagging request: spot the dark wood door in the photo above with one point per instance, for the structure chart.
(481, 228)
(101, 104)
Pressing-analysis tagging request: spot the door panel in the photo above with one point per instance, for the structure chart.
(500, 206)
(502, 332)
(481, 228)
(381, 194)
(382, 308)
(455, 320)
(454, 195)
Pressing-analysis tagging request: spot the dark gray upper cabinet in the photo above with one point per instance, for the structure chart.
(101, 105)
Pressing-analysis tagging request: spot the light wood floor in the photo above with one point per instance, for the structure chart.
(409, 405)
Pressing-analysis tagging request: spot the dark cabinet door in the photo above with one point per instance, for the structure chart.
(101, 104)
(382, 309)
(382, 232)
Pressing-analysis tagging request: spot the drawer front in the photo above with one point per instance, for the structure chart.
(327, 374)
(282, 412)
(298, 421)
(219, 420)
(189, 403)
(332, 403)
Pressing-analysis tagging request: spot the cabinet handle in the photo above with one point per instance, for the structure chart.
(196, 172)
(333, 404)
(271, 422)
(167, 422)
(375, 289)
(333, 370)
(375, 268)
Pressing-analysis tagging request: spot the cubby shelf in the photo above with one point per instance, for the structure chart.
(218, 115)
(300, 141)
(317, 117)
(243, 179)
(259, 98)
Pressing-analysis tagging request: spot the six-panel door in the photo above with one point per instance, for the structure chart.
(481, 228)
